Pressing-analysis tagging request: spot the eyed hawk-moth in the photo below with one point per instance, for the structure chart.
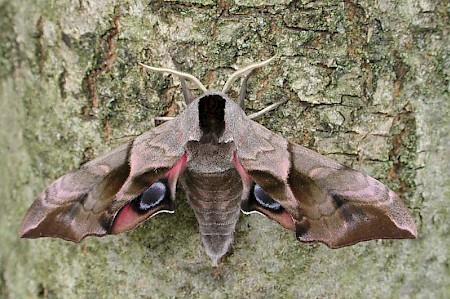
(226, 163)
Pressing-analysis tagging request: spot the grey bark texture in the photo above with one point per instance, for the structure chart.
(367, 84)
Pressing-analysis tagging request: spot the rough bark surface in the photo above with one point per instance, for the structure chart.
(367, 83)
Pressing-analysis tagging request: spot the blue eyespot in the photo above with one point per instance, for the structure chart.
(151, 197)
(263, 199)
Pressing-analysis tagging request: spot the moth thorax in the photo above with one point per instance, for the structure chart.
(211, 113)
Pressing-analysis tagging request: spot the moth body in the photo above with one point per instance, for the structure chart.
(211, 182)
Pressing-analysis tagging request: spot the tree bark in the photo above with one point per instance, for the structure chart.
(367, 84)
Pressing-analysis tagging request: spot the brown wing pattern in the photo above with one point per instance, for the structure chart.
(85, 201)
(329, 202)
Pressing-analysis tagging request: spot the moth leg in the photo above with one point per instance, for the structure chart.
(243, 91)
(269, 108)
(164, 118)
(188, 97)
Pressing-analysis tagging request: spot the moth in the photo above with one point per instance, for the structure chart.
(226, 163)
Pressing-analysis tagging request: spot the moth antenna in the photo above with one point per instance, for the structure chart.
(180, 74)
(242, 71)
(267, 109)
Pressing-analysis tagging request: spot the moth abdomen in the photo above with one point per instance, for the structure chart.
(215, 199)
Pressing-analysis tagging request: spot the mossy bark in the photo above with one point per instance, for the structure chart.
(367, 83)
